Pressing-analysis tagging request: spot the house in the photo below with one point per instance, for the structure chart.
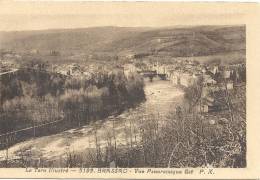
(34, 51)
(226, 74)
(73, 68)
(87, 75)
(64, 72)
(230, 85)
(196, 77)
(130, 55)
(186, 79)
(175, 79)
(226, 86)
(54, 53)
(161, 69)
(208, 80)
(214, 70)
(204, 70)
(209, 104)
(129, 67)
(205, 91)
(203, 108)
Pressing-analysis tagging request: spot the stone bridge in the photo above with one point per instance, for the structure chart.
(152, 74)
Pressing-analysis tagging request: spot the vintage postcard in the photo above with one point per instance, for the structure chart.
(156, 90)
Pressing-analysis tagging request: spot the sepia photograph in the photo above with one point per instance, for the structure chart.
(104, 89)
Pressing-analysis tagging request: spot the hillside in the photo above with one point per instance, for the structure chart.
(176, 42)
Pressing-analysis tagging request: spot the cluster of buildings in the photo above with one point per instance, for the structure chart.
(212, 78)
(7, 65)
(74, 69)
(7, 62)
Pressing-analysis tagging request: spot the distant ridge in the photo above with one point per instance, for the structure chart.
(178, 41)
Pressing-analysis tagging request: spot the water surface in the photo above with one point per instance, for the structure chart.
(161, 98)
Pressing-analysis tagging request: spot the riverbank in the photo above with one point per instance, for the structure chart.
(36, 103)
(123, 129)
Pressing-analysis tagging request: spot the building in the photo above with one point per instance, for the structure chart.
(186, 79)
(54, 53)
(129, 68)
(214, 70)
(175, 79)
(230, 85)
(34, 51)
(226, 74)
(209, 104)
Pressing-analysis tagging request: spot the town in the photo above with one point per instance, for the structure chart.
(181, 72)
(130, 98)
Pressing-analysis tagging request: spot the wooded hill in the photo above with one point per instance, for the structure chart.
(174, 41)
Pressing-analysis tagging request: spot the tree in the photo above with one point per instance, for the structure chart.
(193, 93)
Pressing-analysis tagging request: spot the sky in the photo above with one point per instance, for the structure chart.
(32, 15)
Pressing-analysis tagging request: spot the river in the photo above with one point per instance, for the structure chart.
(161, 98)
